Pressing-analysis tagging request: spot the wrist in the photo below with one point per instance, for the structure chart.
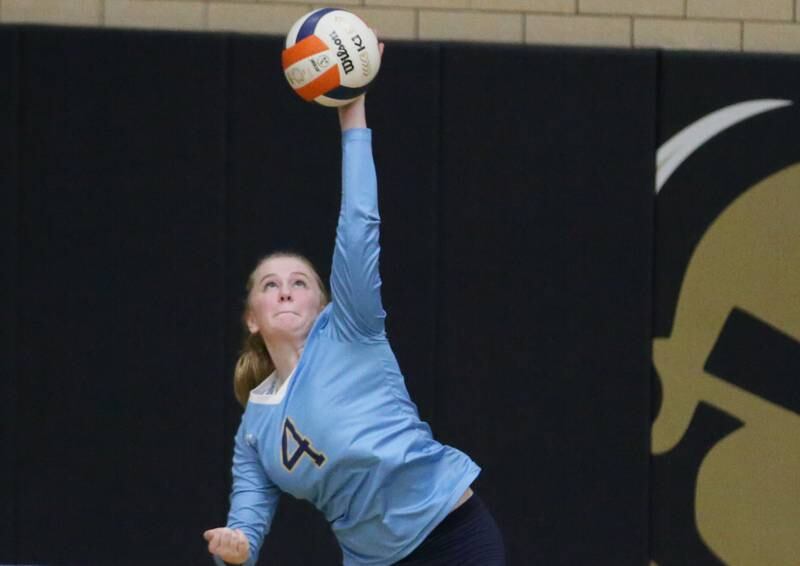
(353, 115)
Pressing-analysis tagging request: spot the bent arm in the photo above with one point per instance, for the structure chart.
(254, 497)
(355, 278)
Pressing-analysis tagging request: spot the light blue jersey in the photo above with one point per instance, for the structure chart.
(342, 432)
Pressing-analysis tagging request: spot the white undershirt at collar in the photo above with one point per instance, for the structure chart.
(266, 392)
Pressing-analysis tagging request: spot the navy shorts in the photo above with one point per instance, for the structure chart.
(468, 536)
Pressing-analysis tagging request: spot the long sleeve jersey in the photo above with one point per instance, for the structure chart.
(342, 432)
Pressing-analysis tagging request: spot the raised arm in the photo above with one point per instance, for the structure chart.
(254, 499)
(355, 279)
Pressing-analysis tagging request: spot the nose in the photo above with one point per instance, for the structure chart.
(286, 294)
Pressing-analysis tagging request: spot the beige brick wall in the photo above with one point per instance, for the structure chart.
(729, 25)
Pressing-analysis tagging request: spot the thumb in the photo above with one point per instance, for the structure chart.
(209, 534)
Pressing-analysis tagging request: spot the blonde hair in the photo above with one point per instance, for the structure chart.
(255, 364)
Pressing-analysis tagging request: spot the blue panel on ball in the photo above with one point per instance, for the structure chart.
(311, 22)
(345, 92)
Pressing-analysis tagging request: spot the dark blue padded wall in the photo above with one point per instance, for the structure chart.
(284, 193)
(515, 191)
(545, 278)
(121, 335)
(9, 106)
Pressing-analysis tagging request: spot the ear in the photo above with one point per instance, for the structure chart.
(250, 321)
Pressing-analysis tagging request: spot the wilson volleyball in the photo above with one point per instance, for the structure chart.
(331, 57)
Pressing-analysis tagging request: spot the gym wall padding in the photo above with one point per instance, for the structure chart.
(146, 172)
(547, 230)
(152, 185)
(121, 339)
(9, 106)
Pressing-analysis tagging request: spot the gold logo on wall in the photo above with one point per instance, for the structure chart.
(734, 347)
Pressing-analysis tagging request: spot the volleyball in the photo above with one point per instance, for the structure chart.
(331, 57)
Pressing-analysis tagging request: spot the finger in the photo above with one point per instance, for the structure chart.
(221, 537)
(380, 43)
(213, 544)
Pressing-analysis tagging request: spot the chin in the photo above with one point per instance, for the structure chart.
(289, 331)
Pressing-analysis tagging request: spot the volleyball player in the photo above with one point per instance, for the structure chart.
(327, 415)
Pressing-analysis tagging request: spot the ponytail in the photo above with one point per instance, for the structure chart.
(253, 366)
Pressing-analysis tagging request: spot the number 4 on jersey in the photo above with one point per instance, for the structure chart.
(300, 445)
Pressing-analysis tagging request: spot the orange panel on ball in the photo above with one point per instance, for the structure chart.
(322, 84)
(307, 47)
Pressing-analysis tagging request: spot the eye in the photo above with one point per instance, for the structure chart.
(270, 285)
(300, 283)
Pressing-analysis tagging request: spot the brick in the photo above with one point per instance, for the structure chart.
(578, 30)
(304, 2)
(419, 3)
(272, 19)
(548, 6)
(346, 4)
(65, 12)
(390, 24)
(686, 34)
(772, 37)
(155, 14)
(470, 26)
(742, 9)
(632, 7)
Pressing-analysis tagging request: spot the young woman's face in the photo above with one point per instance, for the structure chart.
(285, 299)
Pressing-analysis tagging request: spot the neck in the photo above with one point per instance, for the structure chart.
(285, 355)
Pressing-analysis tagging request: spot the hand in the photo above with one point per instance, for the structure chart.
(354, 115)
(230, 545)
